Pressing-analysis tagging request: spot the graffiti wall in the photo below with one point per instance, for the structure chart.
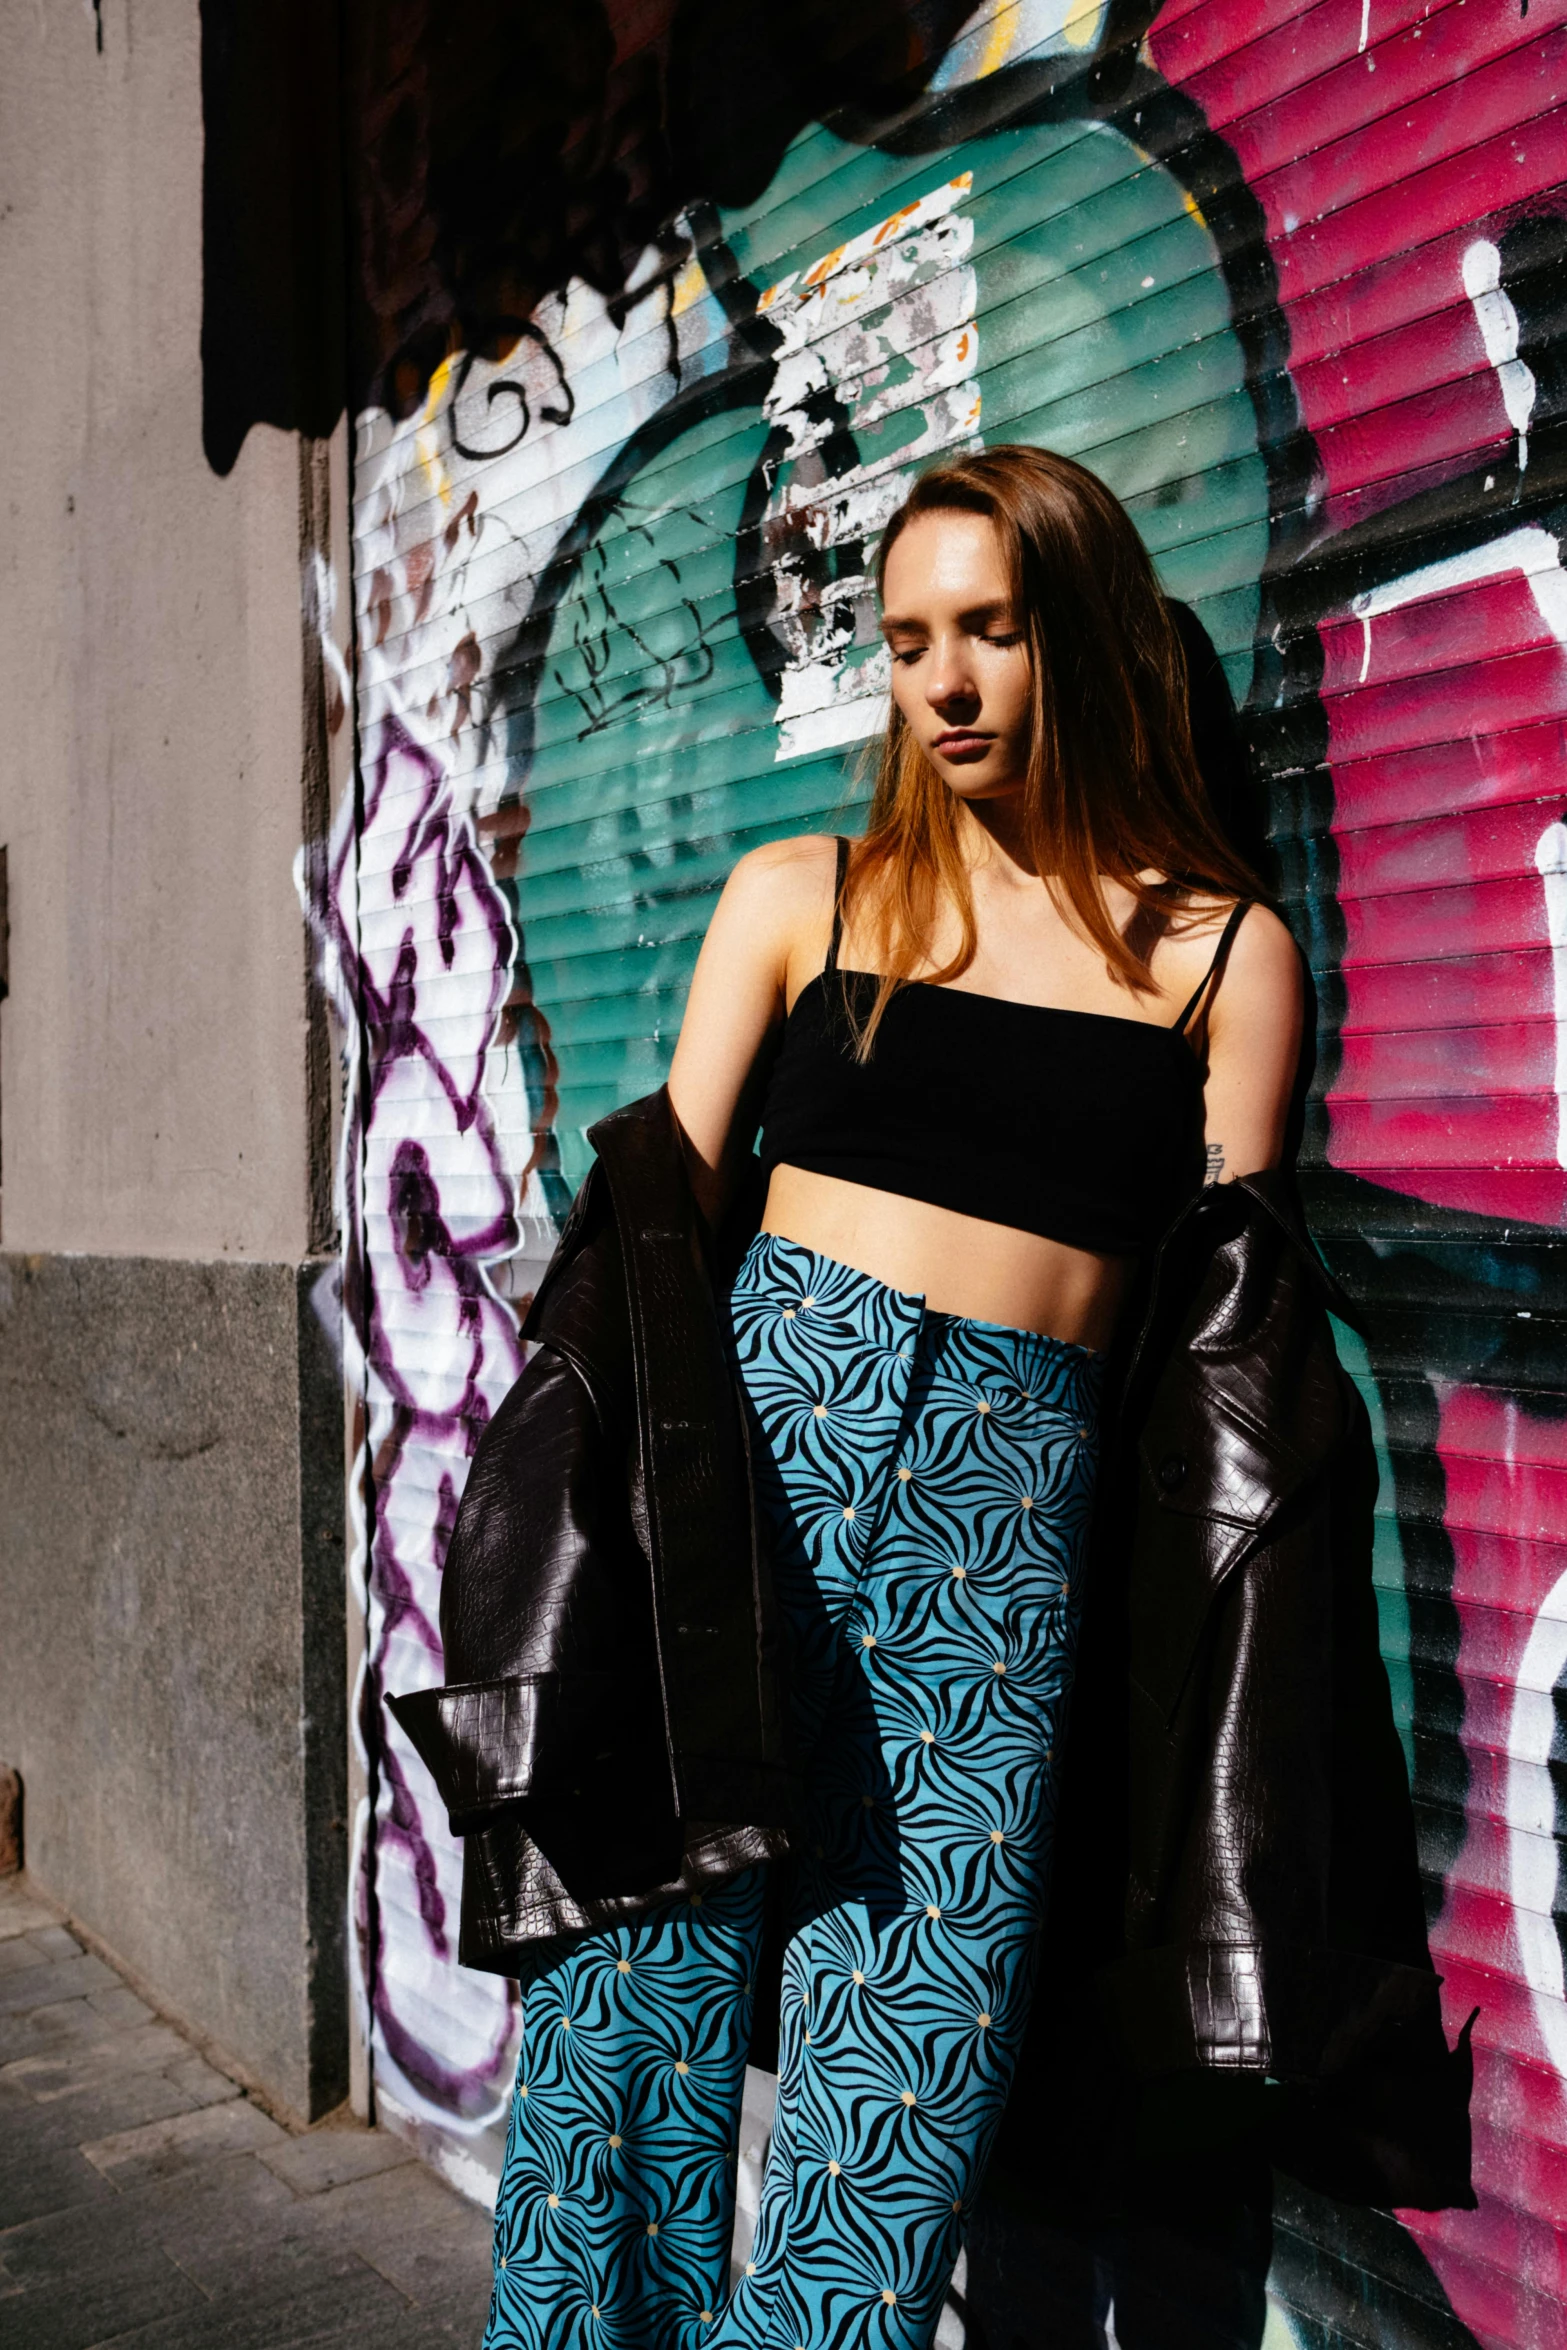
(658, 308)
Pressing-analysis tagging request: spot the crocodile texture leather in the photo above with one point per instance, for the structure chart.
(610, 1731)
(1237, 1891)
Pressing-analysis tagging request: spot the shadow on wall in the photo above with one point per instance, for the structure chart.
(492, 157)
(272, 222)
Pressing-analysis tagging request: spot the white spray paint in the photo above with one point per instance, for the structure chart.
(1498, 324)
(1550, 857)
(1532, 1849)
(1534, 552)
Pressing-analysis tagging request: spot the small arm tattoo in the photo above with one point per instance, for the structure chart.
(1214, 1155)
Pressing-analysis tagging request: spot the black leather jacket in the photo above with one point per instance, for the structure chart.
(1237, 1932)
(611, 1728)
(1236, 1890)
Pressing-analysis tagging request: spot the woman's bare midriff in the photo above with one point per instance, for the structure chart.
(958, 1264)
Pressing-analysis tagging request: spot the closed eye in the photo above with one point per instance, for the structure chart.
(907, 653)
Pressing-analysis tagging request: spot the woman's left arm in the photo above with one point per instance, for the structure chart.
(1254, 1029)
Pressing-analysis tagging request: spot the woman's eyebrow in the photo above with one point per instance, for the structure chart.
(998, 608)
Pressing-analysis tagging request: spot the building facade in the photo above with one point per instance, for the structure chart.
(478, 440)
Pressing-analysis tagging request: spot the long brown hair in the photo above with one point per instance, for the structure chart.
(1112, 787)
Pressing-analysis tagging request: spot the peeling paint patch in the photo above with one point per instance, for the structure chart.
(883, 326)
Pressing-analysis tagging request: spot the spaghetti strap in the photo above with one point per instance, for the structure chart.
(831, 963)
(1215, 971)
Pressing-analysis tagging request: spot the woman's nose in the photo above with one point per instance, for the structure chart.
(950, 680)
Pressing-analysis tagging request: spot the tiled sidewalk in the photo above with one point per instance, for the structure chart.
(145, 2202)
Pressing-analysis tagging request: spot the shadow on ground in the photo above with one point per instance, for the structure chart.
(147, 2203)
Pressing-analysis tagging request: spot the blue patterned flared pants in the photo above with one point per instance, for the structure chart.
(928, 1483)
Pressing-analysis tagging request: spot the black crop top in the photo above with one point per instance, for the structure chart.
(1085, 1127)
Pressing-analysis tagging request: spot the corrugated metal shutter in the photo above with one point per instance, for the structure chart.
(1408, 163)
(1294, 287)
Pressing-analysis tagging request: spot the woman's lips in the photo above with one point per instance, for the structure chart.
(963, 746)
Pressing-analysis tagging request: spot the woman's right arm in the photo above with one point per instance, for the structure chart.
(775, 911)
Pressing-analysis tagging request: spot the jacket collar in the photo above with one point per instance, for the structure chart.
(640, 1150)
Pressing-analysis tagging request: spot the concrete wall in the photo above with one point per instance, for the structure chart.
(172, 1670)
(150, 664)
(171, 1658)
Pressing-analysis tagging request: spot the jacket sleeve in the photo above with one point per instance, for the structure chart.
(1232, 1840)
(545, 1606)
(520, 1560)
(1374, 1891)
(1232, 1958)
(1276, 1925)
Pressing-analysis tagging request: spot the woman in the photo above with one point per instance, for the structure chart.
(993, 1047)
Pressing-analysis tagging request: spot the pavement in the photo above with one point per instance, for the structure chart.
(146, 2202)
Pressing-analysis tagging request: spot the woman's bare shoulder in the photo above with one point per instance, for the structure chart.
(784, 881)
(805, 855)
(1264, 949)
(1262, 994)
(1262, 965)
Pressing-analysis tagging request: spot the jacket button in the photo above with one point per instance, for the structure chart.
(1171, 1472)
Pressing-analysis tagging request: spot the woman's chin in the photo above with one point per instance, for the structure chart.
(976, 779)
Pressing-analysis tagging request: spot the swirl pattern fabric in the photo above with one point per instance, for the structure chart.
(928, 1482)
